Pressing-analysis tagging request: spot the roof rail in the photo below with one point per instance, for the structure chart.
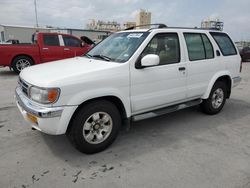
(198, 28)
(159, 26)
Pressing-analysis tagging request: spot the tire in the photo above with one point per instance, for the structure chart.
(216, 100)
(21, 62)
(95, 126)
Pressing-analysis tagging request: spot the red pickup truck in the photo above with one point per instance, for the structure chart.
(45, 48)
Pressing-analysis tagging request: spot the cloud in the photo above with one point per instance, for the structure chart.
(76, 13)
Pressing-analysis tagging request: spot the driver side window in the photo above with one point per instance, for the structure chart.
(166, 46)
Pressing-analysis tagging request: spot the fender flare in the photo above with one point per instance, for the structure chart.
(86, 96)
(213, 80)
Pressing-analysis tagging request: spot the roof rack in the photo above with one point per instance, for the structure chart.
(159, 26)
(198, 28)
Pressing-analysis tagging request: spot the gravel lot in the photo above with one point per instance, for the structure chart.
(182, 149)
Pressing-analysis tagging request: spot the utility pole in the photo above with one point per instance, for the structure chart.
(36, 13)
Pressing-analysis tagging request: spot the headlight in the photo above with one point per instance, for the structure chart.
(44, 95)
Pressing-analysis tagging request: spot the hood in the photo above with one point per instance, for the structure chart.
(55, 73)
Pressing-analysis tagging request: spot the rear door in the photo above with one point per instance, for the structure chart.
(73, 47)
(50, 49)
(201, 63)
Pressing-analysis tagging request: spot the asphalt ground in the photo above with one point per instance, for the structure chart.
(178, 150)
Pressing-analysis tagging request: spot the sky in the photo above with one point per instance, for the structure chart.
(181, 13)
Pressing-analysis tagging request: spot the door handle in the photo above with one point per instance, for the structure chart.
(182, 68)
(45, 48)
(66, 48)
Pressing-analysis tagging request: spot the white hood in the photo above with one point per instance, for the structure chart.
(55, 73)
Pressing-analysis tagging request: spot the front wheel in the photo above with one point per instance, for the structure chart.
(216, 100)
(95, 126)
(21, 62)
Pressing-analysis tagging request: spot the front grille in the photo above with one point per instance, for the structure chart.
(24, 86)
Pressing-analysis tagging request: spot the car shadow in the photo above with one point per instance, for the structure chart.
(6, 72)
(164, 133)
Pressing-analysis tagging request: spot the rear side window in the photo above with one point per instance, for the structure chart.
(225, 43)
(71, 41)
(199, 47)
(51, 40)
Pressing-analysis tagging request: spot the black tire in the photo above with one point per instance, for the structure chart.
(208, 106)
(76, 130)
(21, 62)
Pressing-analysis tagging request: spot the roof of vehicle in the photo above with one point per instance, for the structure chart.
(172, 29)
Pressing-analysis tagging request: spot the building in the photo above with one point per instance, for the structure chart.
(212, 24)
(143, 18)
(129, 24)
(105, 26)
(24, 33)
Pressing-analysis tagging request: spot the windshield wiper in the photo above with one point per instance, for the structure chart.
(89, 56)
(102, 57)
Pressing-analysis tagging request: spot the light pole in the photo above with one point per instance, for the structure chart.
(36, 13)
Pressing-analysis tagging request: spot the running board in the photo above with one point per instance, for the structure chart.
(166, 110)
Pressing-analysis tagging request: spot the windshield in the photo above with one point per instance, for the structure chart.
(118, 47)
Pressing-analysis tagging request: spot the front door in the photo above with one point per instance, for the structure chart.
(73, 47)
(161, 85)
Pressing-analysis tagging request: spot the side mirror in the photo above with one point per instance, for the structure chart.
(150, 60)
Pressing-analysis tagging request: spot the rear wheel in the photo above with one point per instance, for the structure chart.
(21, 62)
(95, 126)
(216, 100)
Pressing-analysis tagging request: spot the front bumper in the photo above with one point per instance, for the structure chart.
(50, 120)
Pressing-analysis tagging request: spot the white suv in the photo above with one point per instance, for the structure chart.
(131, 75)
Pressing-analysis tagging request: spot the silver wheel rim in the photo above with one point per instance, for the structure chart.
(97, 127)
(217, 98)
(21, 64)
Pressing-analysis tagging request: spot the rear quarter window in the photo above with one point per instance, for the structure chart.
(225, 43)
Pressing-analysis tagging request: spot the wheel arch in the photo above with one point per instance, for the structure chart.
(111, 98)
(223, 76)
(29, 56)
